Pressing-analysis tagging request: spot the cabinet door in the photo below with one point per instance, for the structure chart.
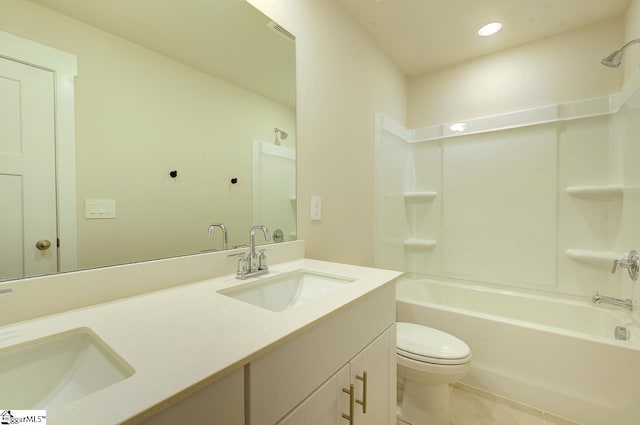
(378, 362)
(325, 405)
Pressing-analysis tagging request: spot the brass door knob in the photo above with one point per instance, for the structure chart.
(43, 244)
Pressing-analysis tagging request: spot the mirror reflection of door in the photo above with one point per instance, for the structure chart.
(27, 171)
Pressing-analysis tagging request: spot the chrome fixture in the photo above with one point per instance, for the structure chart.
(224, 233)
(254, 261)
(599, 299)
(630, 263)
(622, 333)
(278, 236)
(253, 264)
(6, 291)
(280, 135)
(615, 59)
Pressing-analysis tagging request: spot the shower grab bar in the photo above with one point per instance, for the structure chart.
(599, 299)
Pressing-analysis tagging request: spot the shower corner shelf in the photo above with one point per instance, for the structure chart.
(597, 192)
(419, 243)
(597, 258)
(419, 196)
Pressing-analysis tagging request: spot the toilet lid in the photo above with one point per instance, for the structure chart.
(417, 341)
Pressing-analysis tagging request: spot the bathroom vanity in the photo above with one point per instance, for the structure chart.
(200, 352)
(313, 377)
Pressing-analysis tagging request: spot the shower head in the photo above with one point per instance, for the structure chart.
(283, 134)
(615, 59)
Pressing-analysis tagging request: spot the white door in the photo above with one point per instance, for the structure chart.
(27, 171)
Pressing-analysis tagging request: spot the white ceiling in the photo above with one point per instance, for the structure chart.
(423, 35)
(225, 38)
(229, 38)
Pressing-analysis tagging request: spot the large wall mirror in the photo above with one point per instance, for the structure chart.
(184, 117)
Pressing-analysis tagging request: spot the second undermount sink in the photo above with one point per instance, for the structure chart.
(288, 290)
(58, 369)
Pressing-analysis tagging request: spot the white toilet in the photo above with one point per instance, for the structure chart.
(429, 361)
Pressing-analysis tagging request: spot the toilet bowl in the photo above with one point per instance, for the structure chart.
(428, 361)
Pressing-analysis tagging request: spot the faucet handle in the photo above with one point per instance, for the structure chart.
(631, 263)
(262, 260)
(242, 263)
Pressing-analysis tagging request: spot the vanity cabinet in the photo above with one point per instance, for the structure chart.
(370, 375)
(307, 379)
(220, 403)
(302, 380)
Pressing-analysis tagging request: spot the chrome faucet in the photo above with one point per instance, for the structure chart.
(253, 265)
(599, 299)
(224, 233)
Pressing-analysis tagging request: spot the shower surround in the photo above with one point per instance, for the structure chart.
(535, 202)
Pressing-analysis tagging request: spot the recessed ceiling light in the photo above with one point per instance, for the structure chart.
(490, 29)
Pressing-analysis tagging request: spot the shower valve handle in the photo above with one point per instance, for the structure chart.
(630, 263)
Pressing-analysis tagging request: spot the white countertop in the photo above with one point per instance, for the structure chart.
(181, 339)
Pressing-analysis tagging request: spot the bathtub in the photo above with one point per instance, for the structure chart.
(556, 354)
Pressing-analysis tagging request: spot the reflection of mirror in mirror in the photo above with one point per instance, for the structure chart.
(171, 105)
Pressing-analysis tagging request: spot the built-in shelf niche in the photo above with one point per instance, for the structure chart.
(596, 258)
(597, 192)
(419, 196)
(414, 199)
(608, 192)
(419, 244)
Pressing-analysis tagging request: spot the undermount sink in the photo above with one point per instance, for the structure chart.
(288, 290)
(58, 369)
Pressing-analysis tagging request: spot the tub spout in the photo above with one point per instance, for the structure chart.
(599, 299)
(621, 333)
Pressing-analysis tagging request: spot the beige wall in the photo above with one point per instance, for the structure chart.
(140, 115)
(343, 79)
(557, 69)
(632, 31)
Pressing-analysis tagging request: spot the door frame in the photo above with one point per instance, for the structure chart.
(65, 69)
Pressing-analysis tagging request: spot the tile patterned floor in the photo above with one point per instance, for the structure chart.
(474, 407)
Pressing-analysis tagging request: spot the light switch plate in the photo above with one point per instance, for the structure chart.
(316, 207)
(99, 208)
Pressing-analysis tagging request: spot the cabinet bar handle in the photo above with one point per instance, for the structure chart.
(351, 393)
(363, 402)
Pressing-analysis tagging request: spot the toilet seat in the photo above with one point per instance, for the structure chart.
(428, 345)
